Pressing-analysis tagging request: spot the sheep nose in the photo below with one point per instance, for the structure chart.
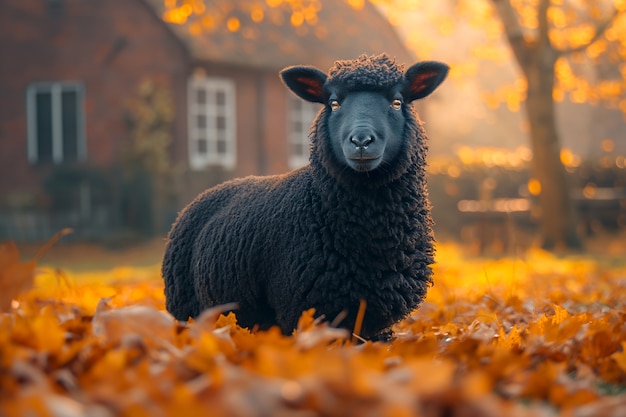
(361, 141)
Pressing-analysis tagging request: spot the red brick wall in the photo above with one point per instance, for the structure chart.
(276, 125)
(73, 40)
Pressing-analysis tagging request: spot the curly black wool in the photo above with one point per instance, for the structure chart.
(377, 71)
(325, 236)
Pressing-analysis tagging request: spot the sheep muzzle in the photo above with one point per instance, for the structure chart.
(363, 149)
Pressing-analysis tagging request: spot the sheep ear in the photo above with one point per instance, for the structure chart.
(422, 79)
(306, 82)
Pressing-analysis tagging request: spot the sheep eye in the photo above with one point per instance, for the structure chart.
(396, 104)
(334, 105)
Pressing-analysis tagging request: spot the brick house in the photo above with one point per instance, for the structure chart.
(68, 69)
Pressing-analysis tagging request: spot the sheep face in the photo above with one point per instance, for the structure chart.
(366, 107)
(365, 128)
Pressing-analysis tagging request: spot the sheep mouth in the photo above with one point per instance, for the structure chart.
(365, 163)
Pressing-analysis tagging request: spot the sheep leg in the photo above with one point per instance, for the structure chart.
(180, 296)
(259, 317)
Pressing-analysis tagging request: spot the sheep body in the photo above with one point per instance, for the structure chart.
(323, 236)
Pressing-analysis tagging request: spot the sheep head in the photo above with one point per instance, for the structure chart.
(366, 108)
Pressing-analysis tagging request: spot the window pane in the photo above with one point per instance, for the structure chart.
(201, 121)
(220, 98)
(202, 146)
(69, 119)
(44, 126)
(221, 146)
(297, 126)
(221, 122)
(200, 96)
(297, 149)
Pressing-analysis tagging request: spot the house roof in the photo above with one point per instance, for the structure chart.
(253, 34)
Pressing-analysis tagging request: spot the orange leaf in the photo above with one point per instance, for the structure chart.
(620, 357)
(15, 278)
(47, 332)
(359, 320)
(153, 327)
(511, 340)
(440, 375)
(306, 320)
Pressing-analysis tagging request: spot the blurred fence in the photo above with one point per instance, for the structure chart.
(495, 209)
(38, 225)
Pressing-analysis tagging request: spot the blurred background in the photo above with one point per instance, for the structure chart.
(114, 114)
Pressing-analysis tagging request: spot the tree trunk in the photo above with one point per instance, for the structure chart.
(558, 225)
(537, 58)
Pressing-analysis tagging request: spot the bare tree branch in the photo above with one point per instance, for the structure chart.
(544, 26)
(513, 30)
(509, 18)
(600, 29)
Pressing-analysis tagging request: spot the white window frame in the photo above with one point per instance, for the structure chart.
(303, 115)
(56, 89)
(211, 110)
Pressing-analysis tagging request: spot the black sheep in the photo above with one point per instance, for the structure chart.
(352, 225)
